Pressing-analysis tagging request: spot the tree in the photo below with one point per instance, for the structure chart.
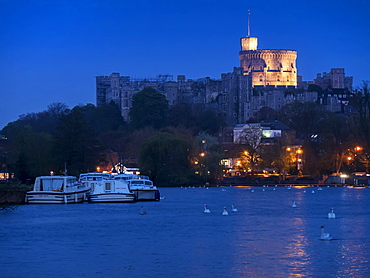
(29, 152)
(75, 144)
(265, 114)
(251, 138)
(165, 159)
(196, 117)
(149, 108)
(360, 100)
(314, 88)
(206, 158)
(306, 118)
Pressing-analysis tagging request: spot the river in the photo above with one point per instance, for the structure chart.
(267, 237)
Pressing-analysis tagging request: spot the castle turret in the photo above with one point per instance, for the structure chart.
(267, 67)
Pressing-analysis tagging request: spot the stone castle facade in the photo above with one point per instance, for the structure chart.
(265, 78)
(268, 67)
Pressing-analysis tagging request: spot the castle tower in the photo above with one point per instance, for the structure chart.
(267, 67)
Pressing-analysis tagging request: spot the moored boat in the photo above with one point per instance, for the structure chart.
(105, 189)
(141, 186)
(57, 190)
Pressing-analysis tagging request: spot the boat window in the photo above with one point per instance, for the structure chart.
(71, 182)
(148, 182)
(52, 184)
(107, 186)
(137, 182)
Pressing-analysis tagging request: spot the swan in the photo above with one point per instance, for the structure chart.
(331, 214)
(233, 209)
(325, 236)
(225, 212)
(206, 209)
(294, 205)
(142, 212)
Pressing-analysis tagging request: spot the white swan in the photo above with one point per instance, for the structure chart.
(206, 209)
(225, 212)
(294, 205)
(325, 236)
(233, 209)
(331, 214)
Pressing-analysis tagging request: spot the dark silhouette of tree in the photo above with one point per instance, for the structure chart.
(195, 117)
(266, 114)
(306, 118)
(29, 152)
(360, 100)
(75, 144)
(314, 88)
(149, 108)
(165, 158)
(104, 118)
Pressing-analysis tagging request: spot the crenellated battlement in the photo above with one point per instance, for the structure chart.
(269, 66)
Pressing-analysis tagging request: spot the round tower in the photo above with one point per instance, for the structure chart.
(267, 67)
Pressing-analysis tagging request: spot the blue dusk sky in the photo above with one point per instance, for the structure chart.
(52, 50)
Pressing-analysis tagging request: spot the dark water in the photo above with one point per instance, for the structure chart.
(266, 238)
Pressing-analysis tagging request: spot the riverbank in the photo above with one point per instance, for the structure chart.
(13, 194)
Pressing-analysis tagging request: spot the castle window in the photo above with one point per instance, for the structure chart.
(278, 78)
(261, 78)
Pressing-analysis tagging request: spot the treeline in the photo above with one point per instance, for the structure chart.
(179, 145)
(160, 138)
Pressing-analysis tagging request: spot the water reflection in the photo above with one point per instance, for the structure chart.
(297, 257)
(265, 238)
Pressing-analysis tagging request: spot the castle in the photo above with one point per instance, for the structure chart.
(265, 78)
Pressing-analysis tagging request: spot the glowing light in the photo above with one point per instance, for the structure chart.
(358, 148)
(288, 149)
(299, 151)
(202, 154)
(98, 169)
(349, 158)
(51, 173)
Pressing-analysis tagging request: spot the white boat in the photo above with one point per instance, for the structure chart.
(57, 190)
(142, 187)
(105, 189)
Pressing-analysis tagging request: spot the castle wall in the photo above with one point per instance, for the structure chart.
(270, 67)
